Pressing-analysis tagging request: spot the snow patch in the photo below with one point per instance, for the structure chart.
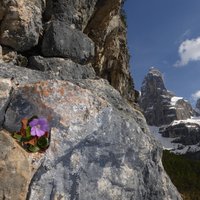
(174, 100)
(165, 142)
(193, 120)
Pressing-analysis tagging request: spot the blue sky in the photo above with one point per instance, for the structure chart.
(166, 34)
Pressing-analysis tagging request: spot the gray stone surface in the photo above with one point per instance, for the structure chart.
(98, 150)
(21, 75)
(156, 101)
(60, 40)
(21, 24)
(5, 93)
(75, 13)
(65, 69)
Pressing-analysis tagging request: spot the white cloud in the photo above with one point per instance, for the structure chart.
(196, 95)
(189, 50)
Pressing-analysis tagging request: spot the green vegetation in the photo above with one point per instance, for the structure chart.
(184, 173)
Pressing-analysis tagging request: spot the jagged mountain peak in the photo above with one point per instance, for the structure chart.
(160, 106)
(153, 82)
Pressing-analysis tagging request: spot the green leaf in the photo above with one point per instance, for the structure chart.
(26, 139)
(33, 148)
(17, 136)
(28, 131)
(43, 142)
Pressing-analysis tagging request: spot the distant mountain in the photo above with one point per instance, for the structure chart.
(197, 108)
(160, 106)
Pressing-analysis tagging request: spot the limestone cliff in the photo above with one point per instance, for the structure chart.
(100, 147)
(107, 29)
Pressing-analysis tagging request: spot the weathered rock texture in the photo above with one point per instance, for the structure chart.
(159, 105)
(108, 30)
(5, 91)
(89, 31)
(100, 145)
(21, 23)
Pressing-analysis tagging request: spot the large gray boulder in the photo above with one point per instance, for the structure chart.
(159, 105)
(100, 146)
(60, 40)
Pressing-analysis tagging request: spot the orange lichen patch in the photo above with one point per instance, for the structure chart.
(45, 93)
(62, 91)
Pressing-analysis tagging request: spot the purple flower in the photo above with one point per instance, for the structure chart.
(39, 127)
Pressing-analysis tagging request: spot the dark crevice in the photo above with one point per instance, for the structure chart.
(73, 190)
(37, 176)
(7, 106)
(52, 194)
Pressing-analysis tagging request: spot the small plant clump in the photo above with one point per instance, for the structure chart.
(34, 134)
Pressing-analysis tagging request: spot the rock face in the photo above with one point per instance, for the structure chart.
(65, 69)
(21, 23)
(107, 29)
(89, 31)
(62, 41)
(5, 91)
(160, 106)
(100, 147)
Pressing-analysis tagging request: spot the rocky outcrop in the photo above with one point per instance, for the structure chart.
(89, 31)
(100, 146)
(107, 29)
(159, 105)
(186, 132)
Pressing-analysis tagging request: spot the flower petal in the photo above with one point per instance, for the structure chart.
(33, 131)
(43, 124)
(34, 122)
(40, 133)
